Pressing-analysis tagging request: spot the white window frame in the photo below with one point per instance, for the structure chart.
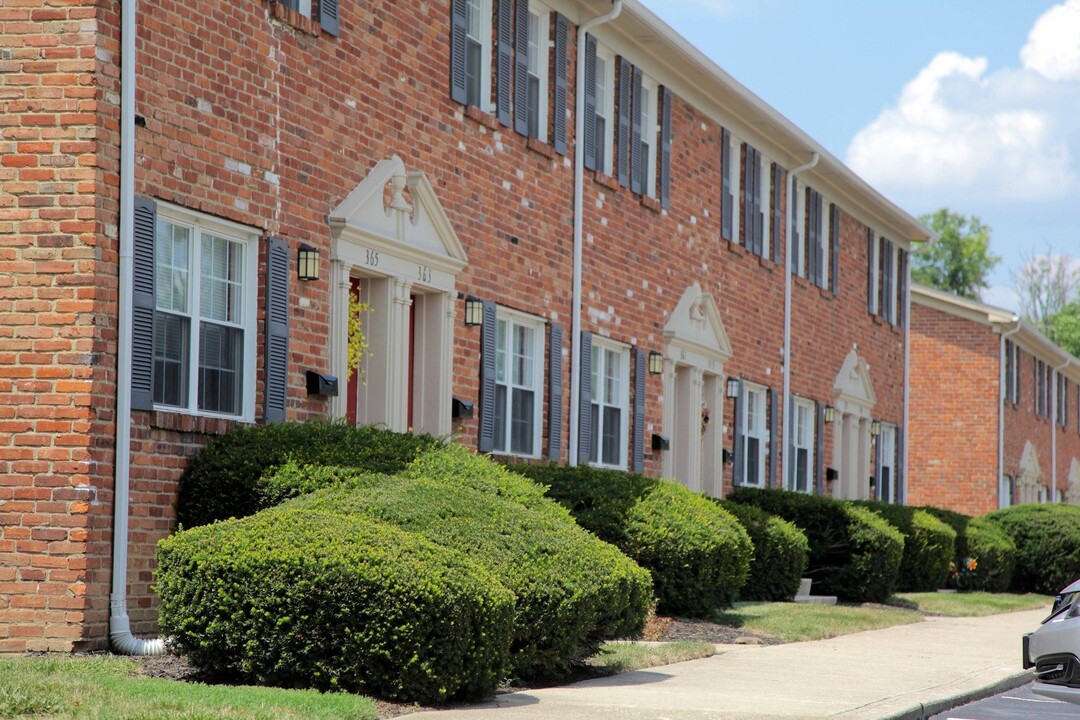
(803, 438)
(607, 101)
(649, 129)
(603, 350)
(541, 15)
(1006, 488)
(766, 206)
(754, 395)
(887, 447)
(735, 182)
(198, 223)
(825, 233)
(485, 40)
(891, 316)
(537, 325)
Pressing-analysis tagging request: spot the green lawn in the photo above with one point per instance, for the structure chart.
(110, 688)
(620, 657)
(970, 604)
(793, 623)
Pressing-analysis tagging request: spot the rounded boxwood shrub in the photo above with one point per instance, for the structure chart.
(780, 553)
(854, 554)
(573, 590)
(698, 554)
(929, 546)
(296, 598)
(1047, 541)
(222, 481)
(987, 543)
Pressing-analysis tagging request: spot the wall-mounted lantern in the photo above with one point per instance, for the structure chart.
(307, 264)
(733, 387)
(830, 414)
(656, 363)
(875, 428)
(474, 311)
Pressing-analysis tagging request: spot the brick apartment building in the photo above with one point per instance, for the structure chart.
(428, 152)
(994, 409)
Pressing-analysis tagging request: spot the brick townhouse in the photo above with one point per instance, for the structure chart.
(994, 408)
(160, 217)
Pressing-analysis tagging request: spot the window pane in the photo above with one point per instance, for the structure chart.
(500, 351)
(752, 460)
(473, 55)
(521, 422)
(886, 484)
(523, 348)
(171, 359)
(220, 376)
(601, 142)
(220, 266)
(473, 20)
(594, 434)
(500, 418)
(534, 106)
(612, 425)
(597, 359)
(171, 250)
(601, 90)
(613, 378)
(534, 44)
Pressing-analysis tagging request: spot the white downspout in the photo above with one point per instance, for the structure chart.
(1054, 433)
(120, 637)
(786, 399)
(1001, 410)
(579, 202)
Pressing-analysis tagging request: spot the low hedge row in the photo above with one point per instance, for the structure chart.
(698, 554)
(573, 590)
(222, 481)
(780, 553)
(929, 546)
(985, 541)
(296, 598)
(854, 553)
(1047, 538)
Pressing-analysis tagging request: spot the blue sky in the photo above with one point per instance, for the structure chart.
(972, 105)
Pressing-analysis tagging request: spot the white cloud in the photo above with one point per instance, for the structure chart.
(1001, 296)
(1053, 45)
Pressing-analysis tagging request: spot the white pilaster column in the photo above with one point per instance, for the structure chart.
(398, 344)
(339, 333)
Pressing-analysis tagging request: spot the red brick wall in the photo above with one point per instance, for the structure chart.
(250, 119)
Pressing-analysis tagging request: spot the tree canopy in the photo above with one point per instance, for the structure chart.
(960, 261)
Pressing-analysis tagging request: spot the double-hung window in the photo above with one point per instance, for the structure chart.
(539, 30)
(754, 435)
(605, 105)
(478, 53)
(204, 336)
(887, 463)
(757, 196)
(519, 342)
(610, 391)
(803, 444)
(647, 155)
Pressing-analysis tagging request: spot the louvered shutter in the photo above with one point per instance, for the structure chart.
(737, 450)
(637, 182)
(585, 428)
(626, 80)
(793, 246)
(811, 236)
(886, 280)
(521, 67)
(590, 138)
(774, 436)
(834, 248)
(555, 394)
(727, 199)
(878, 466)
(641, 360)
(504, 60)
(143, 305)
(871, 268)
(485, 442)
(819, 448)
(458, 42)
(558, 103)
(328, 17)
(276, 362)
(777, 216)
(901, 299)
(665, 147)
(791, 428)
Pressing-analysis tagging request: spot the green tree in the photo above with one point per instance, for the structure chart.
(1046, 285)
(1064, 328)
(960, 261)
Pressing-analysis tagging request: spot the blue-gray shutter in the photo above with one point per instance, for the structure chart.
(774, 436)
(143, 305)
(871, 269)
(459, 32)
(505, 61)
(727, 199)
(521, 66)
(276, 362)
(638, 184)
(585, 399)
(878, 463)
(626, 79)
(558, 103)
(759, 213)
(777, 216)
(737, 451)
(590, 138)
(819, 448)
(328, 17)
(902, 274)
(901, 486)
(887, 282)
(834, 248)
(485, 441)
(664, 181)
(555, 394)
(791, 428)
(812, 226)
(747, 198)
(793, 246)
(1016, 386)
(641, 361)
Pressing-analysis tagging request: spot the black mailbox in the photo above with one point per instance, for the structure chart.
(660, 442)
(320, 384)
(461, 409)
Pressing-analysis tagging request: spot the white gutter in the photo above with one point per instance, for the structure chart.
(1054, 433)
(120, 637)
(579, 202)
(786, 399)
(1001, 408)
(907, 359)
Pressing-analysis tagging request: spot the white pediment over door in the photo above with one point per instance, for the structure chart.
(853, 390)
(695, 334)
(1029, 462)
(1072, 493)
(396, 214)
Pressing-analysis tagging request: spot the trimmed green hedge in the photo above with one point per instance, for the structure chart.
(573, 591)
(223, 480)
(854, 553)
(780, 553)
(1047, 541)
(295, 598)
(929, 546)
(987, 542)
(698, 554)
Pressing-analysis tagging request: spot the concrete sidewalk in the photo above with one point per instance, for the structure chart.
(908, 671)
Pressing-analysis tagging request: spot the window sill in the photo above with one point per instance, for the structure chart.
(540, 147)
(198, 424)
(294, 18)
(801, 282)
(736, 249)
(766, 263)
(651, 203)
(827, 294)
(486, 119)
(602, 178)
